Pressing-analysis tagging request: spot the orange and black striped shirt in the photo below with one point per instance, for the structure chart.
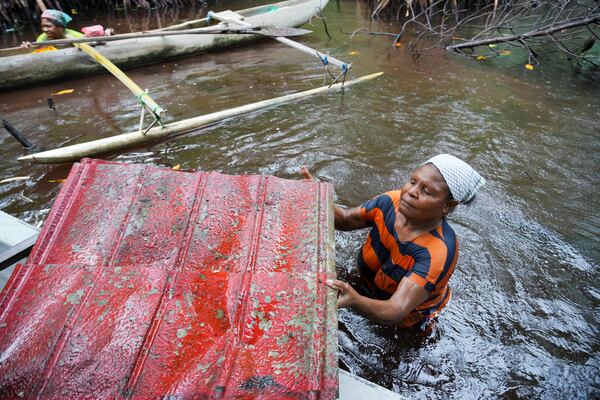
(428, 260)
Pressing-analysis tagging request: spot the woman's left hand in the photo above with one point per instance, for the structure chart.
(306, 174)
(347, 296)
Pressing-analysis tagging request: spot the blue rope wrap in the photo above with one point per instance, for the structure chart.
(324, 59)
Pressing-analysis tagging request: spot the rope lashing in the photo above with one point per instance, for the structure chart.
(324, 59)
(155, 109)
(337, 78)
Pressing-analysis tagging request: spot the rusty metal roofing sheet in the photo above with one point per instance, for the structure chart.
(147, 282)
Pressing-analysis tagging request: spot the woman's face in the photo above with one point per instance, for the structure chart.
(425, 197)
(51, 30)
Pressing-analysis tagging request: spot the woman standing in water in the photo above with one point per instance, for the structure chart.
(411, 250)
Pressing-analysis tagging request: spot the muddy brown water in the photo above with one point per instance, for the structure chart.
(523, 322)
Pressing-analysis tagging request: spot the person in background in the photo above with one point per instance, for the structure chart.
(54, 26)
(411, 250)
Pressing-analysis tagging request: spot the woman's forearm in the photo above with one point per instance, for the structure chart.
(347, 219)
(380, 311)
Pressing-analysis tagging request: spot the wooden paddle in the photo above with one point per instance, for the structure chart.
(266, 31)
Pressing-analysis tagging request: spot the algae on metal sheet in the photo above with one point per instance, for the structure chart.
(232, 303)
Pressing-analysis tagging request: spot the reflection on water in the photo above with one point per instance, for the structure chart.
(523, 322)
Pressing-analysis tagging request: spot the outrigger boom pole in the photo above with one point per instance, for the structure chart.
(234, 19)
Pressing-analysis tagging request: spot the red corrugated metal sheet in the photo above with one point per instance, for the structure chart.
(147, 282)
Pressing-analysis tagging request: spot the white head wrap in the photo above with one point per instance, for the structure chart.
(463, 181)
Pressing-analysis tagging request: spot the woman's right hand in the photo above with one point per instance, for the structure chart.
(25, 45)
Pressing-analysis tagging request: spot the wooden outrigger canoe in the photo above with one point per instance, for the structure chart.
(118, 142)
(27, 70)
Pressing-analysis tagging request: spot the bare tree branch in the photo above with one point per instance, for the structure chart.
(545, 31)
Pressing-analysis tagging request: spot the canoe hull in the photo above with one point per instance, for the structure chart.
(33, 69)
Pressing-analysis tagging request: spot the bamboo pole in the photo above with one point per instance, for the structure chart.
(266, 31)
(140, 94)
(118, 142)
(325, 58)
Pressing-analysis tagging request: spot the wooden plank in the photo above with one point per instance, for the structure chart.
(17, 252)
(13, 232)
(353, 387)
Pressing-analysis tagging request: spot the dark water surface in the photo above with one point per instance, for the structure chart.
(523, 322)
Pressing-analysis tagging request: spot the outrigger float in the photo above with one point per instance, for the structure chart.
(119, 142)
(193, 37)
